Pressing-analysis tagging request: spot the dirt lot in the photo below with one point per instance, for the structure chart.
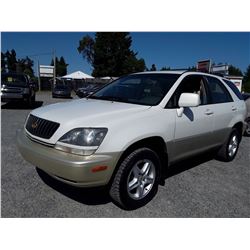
(201, 187)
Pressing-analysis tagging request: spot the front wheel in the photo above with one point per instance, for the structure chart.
(230, 148)
(30, 101)
(136, 181)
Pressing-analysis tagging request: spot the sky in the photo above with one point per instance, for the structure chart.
(170, 49)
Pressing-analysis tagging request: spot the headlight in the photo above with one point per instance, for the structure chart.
(83, 141)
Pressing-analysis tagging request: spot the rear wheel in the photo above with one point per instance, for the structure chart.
(30, 101)
(247, 131)
(136, 181)
(230, 148)
(33, 98)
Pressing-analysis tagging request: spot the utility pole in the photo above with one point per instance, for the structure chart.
(39, 80)
(54, 81)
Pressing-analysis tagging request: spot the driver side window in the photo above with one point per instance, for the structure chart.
(190, 84)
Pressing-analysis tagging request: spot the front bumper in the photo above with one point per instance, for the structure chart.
(5, 97)
(66, 95)
(72, 169)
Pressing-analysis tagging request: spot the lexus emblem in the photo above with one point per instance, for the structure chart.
(34, 125)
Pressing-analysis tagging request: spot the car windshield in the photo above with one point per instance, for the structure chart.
(14, 79)
(61, 87)
(145, 89)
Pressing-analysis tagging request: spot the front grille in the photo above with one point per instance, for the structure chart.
(40, 127)
(12, 90)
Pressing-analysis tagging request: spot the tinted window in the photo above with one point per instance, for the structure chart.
(246, 96)
(61, 87)
(218, 92)
(190, 84)
(14, 79)
(145, 89)
(233, 88)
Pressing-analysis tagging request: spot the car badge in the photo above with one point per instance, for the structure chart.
(34, 125)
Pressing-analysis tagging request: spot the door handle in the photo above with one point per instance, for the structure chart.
(209, 112)
(234, 108)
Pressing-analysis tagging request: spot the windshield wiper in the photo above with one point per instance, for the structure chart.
(109, 98)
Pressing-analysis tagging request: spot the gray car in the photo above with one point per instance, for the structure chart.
(17, 87)
(61, 91)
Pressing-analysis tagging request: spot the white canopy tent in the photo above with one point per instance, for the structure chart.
(78, 75)
(106, 78)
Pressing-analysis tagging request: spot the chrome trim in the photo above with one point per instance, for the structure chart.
(40, 142)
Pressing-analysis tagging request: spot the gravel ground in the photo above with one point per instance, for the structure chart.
(201, 187)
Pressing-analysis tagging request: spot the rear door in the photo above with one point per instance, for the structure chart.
(223, 108)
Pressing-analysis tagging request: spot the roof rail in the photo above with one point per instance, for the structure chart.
(178, 69)
(217, 74)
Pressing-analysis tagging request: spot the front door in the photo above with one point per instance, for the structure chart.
(193, 130)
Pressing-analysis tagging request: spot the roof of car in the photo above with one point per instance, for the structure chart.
(179, 72)
(163, 72)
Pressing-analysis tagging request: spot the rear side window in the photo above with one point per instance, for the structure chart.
(218, 92)
(234, 89)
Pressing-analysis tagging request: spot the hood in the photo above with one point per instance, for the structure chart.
(87, 112)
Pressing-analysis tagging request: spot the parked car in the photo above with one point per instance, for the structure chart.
(126, 134)
(246, 97)
(88, 90)
(17, 87)
(62, 91)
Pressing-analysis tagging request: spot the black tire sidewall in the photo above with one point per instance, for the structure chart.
(247, 121)
(126, 199)
(234, 132)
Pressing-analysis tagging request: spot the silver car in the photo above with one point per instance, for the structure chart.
(126, 134)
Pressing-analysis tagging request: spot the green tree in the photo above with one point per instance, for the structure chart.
(165, 68)
(61, 66)
(153, 67)
(109, 54)
(193, 68)
(11, 60)
(247, 74)
(86, 48)
(3, 62)
(234, 71)
(246, 80)
(25, 65)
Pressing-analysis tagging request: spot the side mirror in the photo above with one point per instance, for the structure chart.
(187, 100)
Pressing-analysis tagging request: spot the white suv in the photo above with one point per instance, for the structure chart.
(126, 134)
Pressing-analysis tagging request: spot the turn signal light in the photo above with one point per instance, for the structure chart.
(98, 168)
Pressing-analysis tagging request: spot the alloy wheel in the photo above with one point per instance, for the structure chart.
(141, 179)
(232, 146)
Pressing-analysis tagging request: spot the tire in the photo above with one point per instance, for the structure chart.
(136, 180)
(230, 148)
(247, 131)
(33, 98)
(30, 102)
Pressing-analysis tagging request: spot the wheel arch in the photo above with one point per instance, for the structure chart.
(155, 143)
(239, 127)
